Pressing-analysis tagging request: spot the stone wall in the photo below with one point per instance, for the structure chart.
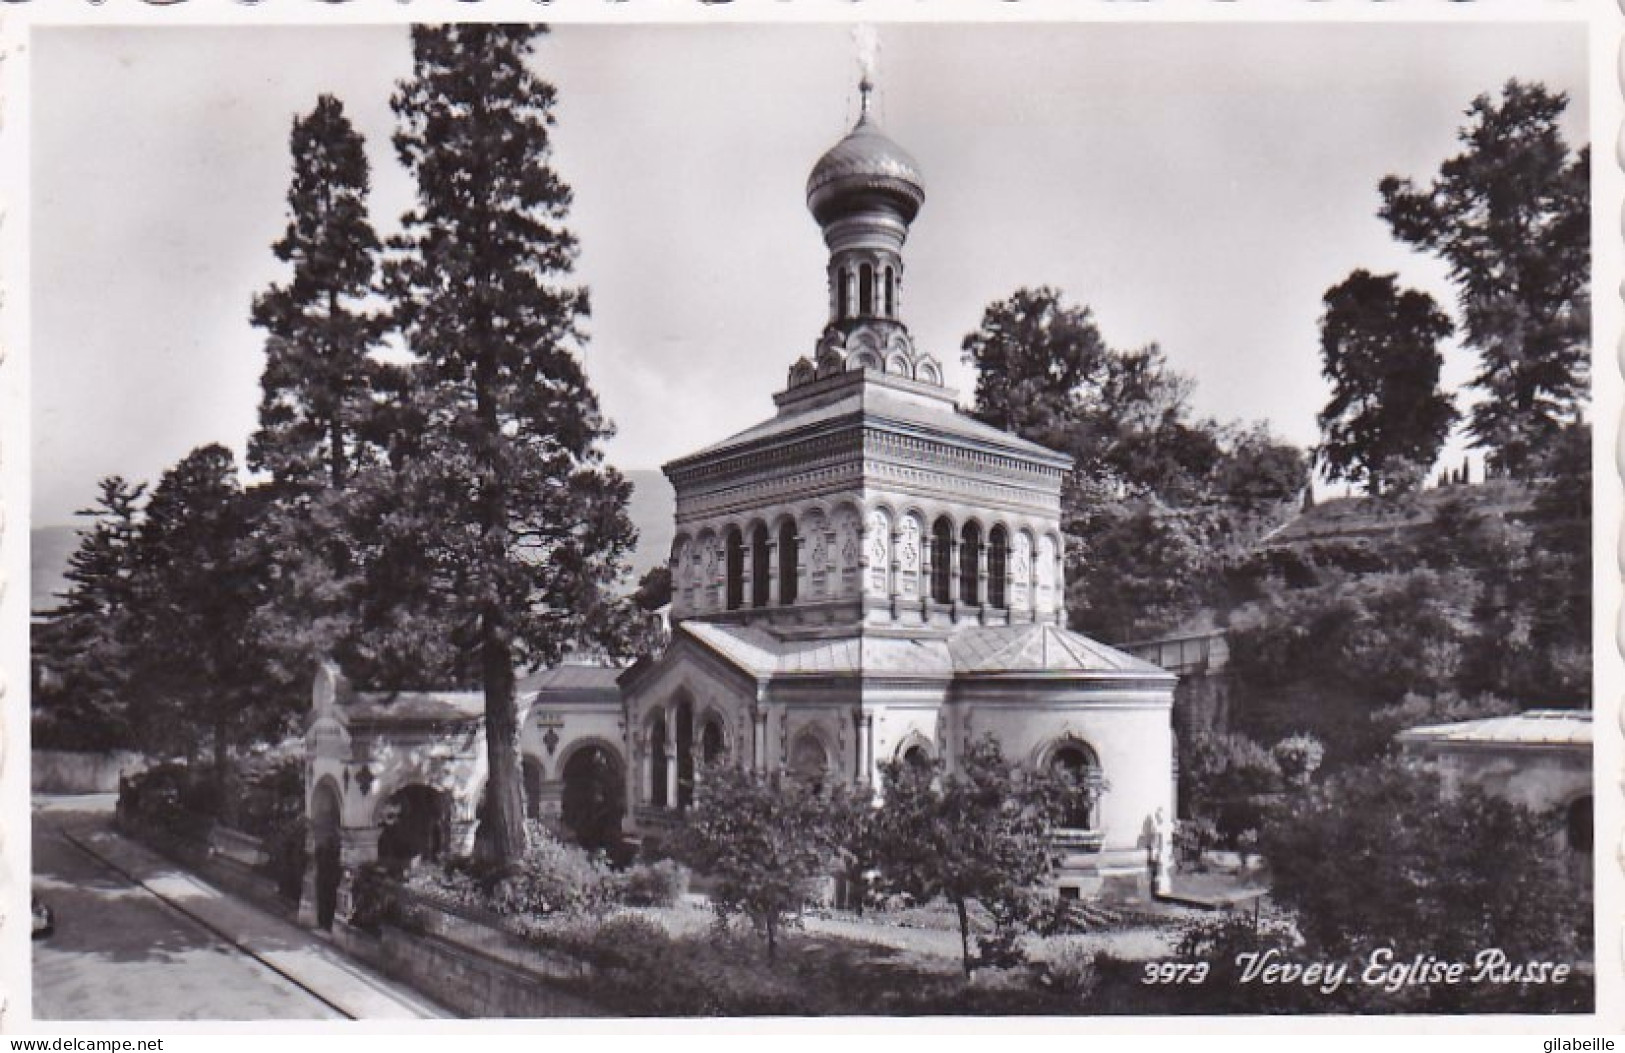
(461, 977)
(67, 771)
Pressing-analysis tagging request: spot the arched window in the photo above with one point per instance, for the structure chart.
(658, 760)
(970, 559)
(788, 557)
(735, 569)
(998, 562)
(712, 745)
(843, 294)
(942, 548)
(761, 568)
(809, 760)
(866, 291)
(685, 753)
(891, 294)
(1079, 764)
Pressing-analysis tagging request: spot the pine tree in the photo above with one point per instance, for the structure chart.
(200, 670)
(316, 419)
(503, 488)
(81, 649)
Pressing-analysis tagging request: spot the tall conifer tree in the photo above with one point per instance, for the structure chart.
(315, 408)
(504, 483)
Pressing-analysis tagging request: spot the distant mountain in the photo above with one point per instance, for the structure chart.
(652, 507)
(48, 550)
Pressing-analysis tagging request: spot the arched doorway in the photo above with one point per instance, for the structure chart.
(324, 832)
(1081, 767)
(594, 797)
(415, 825)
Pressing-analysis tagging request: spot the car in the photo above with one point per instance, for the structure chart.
(44, 919)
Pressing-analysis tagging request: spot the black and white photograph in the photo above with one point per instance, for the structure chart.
(718, 517)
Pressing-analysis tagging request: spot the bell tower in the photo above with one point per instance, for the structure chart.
(864, 192)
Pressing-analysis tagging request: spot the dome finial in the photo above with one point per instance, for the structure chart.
(865, 89)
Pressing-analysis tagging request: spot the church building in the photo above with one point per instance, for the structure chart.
(871, 574)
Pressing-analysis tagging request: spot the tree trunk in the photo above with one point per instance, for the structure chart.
(772, 940)
(964, 934)
(501, 832)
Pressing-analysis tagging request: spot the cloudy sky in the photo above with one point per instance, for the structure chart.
(1199, 186)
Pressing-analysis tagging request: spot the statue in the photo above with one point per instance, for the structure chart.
(1162, 854)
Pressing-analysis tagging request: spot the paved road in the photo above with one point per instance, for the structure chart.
(156, 947)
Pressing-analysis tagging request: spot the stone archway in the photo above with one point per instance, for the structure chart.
(414, 824)
(326, 859)
(593, 799)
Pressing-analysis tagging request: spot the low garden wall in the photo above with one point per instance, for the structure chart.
(461, 977)
(222, 860)
(70, 771)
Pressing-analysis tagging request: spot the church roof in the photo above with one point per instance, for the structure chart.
(414, 707)
(570, 683)
(1535, 727)
(870, 399)
(978, 650)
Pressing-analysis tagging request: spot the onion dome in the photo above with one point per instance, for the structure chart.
(861, 167)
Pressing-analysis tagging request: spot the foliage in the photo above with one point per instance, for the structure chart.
(979, 834)
(1387, 416)
(501, 484)
(317, 416)
(554, 877)
(1157, 501)
(1414, 711)
(765, 841)
(81, 649)
(659, 884)
(152, 647)
(1298, 758)
(1511, 217)
(1225, 778)
(1381, 857)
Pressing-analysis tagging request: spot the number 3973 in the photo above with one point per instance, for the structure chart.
(1174, 973)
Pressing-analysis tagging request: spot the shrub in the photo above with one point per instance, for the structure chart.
(1071, 970)
(661, 884)
(1298, 758)
(372, 904)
